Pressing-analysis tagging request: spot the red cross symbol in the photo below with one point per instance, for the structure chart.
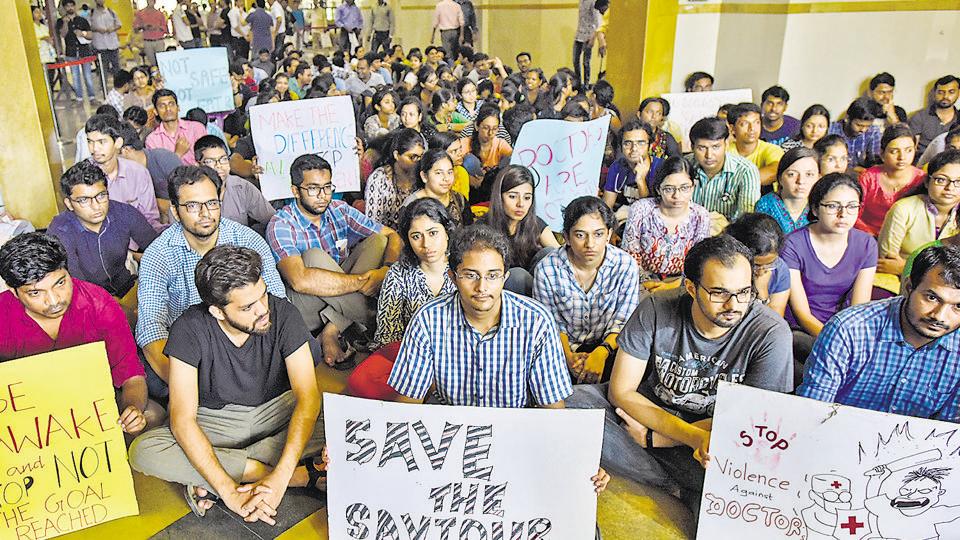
(835, 485)
(853, 525)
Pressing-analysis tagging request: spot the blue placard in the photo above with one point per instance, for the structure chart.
(199, 77)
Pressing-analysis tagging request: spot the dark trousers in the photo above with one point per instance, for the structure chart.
(380, 39)
(345, 40)
(109, 60)
(278, 43)
(586, 50)
(216, 40)
(450, 39)
(241, 48)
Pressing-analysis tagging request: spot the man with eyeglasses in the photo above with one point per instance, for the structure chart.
(898, 355)
(621, 188)
(97, 233)
(167, 286)
(241, 201)
(658, 421)
(332, 257)
(127, 181)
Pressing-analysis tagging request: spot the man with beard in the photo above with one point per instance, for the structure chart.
(777, 126)
(174, 133)
(897, 355)
(658, 421)
(244, 404)
(941, 116)
(167, 286)
(332, 257)
(127, 181)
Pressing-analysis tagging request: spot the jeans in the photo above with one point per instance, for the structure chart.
(87, 78)
(109, 60)
(586, 49)
(380, 39)
(344, 43)
(450, 39)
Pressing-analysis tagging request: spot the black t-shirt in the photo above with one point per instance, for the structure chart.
(249, 375)
(245, 147)
(72, 45)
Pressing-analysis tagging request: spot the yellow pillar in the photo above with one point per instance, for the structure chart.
(30, 160)
(640, 40)
(124, 11)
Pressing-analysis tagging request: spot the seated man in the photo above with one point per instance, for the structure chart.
(777, 126)
(744, 120)
(691, 338)
(167, 285)
(590, 287)
(244, 404)
(127, 181)
(483, 346)
(242, 201)
(621, 188)
(47, 310)
(897, 355)
(96, 232)
(159, 162)
(860, 133)
(881, 90)
(330, 255)
(174, 133)
(724, 183)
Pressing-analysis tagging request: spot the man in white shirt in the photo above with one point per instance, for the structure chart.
(181, 26)
(279, 12)
(238, 31)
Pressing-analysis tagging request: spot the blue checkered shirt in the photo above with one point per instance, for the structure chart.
(864, 149)
(588, 316)
(519, 360)
(341, 227)
(167, 287)
(861, 359)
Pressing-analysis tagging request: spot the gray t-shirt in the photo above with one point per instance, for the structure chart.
(686, 366)
(243, 202)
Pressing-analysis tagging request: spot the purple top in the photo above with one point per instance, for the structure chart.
(827, 288)
(134, 185)
(789, 129)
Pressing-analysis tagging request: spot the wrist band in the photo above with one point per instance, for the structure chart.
(649, 438)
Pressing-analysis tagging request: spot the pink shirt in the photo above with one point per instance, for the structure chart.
(190, 130)
(93, 315)
(447, 15)
(877, 202)
(154, 19)
(134, 186)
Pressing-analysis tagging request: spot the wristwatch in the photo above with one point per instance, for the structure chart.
(609, 349)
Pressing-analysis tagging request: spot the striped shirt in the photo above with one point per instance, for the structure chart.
(588, 316)
(167, 286)
(732, 192)
(342, 226)
(864, 149)
(861, 359)
(519, 360)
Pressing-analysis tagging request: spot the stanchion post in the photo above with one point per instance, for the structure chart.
(53, 108)
(103, 76)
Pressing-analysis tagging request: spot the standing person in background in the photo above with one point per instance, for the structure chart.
(381, 26)
(215, 24)
(76, 34)
(262, 26)
(448, 18)
(588, 31)
(278, 10)
(238, 31)
(181, 26)
(153, 24)
(348, 20)
(105, 23)
(470, 27)
(299, 23)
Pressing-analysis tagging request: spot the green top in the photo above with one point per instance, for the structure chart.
(909, 266)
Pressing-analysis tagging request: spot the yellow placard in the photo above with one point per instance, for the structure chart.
(63, 461)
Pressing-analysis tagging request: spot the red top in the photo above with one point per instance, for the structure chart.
(93, 315)
(153, 22)
(877, 202)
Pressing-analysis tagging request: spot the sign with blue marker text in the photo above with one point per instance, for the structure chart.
(199, 77)
(566, 158)
(284, 131)
(432, 472)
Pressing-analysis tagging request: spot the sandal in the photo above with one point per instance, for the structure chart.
(190, 495)
(313, 476)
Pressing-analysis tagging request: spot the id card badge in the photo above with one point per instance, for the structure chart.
(342, 246)
(631, 193)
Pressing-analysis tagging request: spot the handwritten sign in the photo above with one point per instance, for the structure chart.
(431, 471)
(284, 131)
(199, 77)
(63, 462)
(566, 158)
(688, 107)
(789, 467)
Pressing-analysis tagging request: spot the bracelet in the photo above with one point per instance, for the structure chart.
(649, 438)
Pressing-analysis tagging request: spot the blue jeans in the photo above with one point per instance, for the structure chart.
(87, 76)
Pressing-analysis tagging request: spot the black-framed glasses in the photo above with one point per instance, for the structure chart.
(315, 191)
(834, 208)
(670, 190)
(942, 181)
(635, 144)
(474, 277)
(722, 296)
(101, 198)
(194, 207)
(223, 160)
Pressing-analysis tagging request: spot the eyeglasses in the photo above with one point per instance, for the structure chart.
(722, 296)
(194, 207)
(942, 181)
(315, 191)
(474, 277)
(670, 190)
(101, 198)
(834, 208)
(224, 160)
(635, 144)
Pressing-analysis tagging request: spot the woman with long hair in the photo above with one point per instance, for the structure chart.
(813, 127)
(454, 148)
(890, 181)
(141, 93)
(469, 104)
(443, 112)
(395, 177)
(512, 212)
(559, 90)
(797, 172)
(383, 118)
(435, 180)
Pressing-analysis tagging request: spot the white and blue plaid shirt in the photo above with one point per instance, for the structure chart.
(167, 286)
(861, 359)
(516, 362)
(588, 316)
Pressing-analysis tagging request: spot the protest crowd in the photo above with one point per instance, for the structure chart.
(815, 255)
